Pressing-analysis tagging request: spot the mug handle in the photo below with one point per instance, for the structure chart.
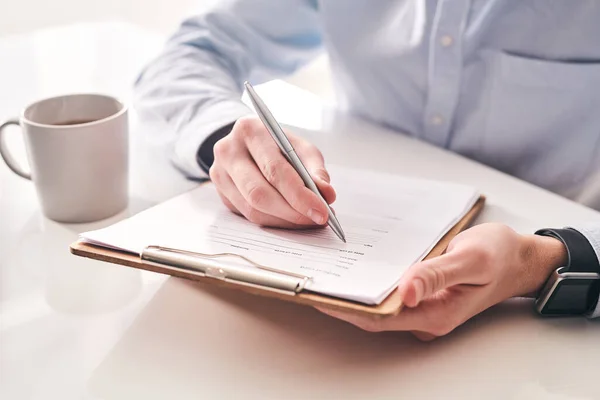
(8, 159)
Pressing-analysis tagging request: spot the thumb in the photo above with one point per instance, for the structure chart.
(428, 277)
(313, 160)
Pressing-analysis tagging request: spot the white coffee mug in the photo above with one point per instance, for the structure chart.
(77, 146)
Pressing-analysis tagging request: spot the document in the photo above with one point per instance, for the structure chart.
(390, 222)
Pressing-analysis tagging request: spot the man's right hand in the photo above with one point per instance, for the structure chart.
(255, 180)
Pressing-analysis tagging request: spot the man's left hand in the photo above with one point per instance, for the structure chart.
(482, 266)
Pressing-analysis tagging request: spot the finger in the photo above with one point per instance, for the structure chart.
(407, 320)
(228, 204)
(425, 278)
(434, 317)
(227, 189)
(283, 177)
(258, 193)
(424, 336)
(362, 322)
(315, 164)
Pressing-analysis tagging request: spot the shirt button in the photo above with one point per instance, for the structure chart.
(437, 120)
(446, 41)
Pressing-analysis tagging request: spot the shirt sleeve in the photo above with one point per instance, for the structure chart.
(592, 234)
(196, 82)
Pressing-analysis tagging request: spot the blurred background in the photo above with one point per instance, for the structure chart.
(159, 16)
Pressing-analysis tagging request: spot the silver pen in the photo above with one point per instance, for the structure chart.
(290, 154)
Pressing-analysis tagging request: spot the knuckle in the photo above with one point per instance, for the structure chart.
(221, 149)
(245, 127)
(273, 169)
(502, 229)
(438, 278)
(257, 195)
(300, 219)
(214, 174)
(300, 200)
(481, 255)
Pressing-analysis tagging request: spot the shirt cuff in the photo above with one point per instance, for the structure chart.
(205, 155)
(199, 129)
(592, 234)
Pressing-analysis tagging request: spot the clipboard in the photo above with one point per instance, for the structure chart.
(273, 283)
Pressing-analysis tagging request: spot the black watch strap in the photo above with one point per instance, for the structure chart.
(581, 258)
(581, 254)
(205, 155)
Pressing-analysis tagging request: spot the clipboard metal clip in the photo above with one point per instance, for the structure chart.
(217, 266)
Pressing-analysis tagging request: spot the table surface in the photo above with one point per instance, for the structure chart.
(72, 328)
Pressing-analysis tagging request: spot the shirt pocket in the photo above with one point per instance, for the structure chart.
(543, 122)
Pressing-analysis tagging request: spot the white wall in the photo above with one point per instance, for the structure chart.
(162, 16)
(19, 16)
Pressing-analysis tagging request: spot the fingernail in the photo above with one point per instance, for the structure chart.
(419, 289)
(316, 216)
(322, 175)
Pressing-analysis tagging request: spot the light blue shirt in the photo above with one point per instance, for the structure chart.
(514, 84)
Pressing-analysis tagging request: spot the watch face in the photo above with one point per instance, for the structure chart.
(571, 297)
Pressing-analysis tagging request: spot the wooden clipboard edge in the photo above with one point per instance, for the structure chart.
(389, 307)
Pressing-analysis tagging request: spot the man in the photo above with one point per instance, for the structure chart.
(511, 83)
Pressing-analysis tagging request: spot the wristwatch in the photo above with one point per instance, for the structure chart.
(572, 289)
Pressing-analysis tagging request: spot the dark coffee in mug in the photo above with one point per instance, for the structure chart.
(75, 122)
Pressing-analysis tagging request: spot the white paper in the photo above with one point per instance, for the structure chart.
(390, 223)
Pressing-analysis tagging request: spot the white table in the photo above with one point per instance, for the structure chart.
(72, 328)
